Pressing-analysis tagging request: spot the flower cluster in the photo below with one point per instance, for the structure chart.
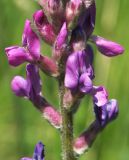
(67, 26)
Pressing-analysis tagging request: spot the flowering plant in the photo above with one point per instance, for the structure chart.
(67, 26)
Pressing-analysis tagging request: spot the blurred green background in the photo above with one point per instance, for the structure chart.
(22, 126)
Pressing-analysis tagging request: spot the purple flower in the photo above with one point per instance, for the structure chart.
(106, 47)
(29, 87)
(44, 27)
(100, 95)
(30, 52)
(38, 153)
(79, 72)
(107, 112)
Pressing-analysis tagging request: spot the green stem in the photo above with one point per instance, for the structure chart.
(67, 129)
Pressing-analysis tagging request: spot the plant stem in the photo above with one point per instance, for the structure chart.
(67, 128)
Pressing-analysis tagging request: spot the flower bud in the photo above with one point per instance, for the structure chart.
(53, 116)
(85, 140)
(106, 47)
(48, 66)
(61, 43)
(53, 9)
(73, 10)
(45, 29)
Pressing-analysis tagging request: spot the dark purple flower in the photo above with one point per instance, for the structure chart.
(106, 47)
(107, 112)
(87, 19)
(29, 87)
(44, 27)
(38, 153)
(100, 95)
(30, 52)
(79, 72)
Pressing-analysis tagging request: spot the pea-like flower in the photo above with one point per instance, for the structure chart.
(38, 153)
(79, 72)
(29, 87)
(107, 112)
(30, 50)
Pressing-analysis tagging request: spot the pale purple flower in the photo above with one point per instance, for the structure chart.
(107, 112)
(79, 72)
(106, 47)
(100, 95)
(38, 153)
(45, 29)
(30, 50)
(29, 87)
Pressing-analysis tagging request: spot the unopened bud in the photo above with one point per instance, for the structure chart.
(48, 65)
(106, 47)
(45, 29)
(73, 10)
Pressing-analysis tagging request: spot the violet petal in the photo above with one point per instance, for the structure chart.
(31, 41)
(72, 75)
(100, 95)
(17, 55)
(106, 47)
(34, 81)
(77, 64)
(61, 38)
(39, 152)
(85, 83)
(106, 113)
(20, 86)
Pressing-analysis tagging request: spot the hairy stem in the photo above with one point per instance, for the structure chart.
(67, 128)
